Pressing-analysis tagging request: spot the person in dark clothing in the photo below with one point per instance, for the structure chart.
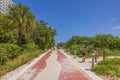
(84, 54)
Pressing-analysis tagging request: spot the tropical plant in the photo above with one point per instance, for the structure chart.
(8, 51)
(22, 19)
(43, 36)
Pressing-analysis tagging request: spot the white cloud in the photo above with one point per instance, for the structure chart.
(113, 19)
(116, 27)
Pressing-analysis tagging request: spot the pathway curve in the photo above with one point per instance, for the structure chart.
(52, 65)
(52, 69)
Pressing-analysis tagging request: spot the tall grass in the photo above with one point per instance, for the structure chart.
(109, 67)
(20, 60)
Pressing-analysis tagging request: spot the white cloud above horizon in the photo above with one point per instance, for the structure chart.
(115, 19)
(116, 28)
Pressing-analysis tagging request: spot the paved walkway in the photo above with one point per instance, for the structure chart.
(52, 69)
(54, 65)
(86, 67)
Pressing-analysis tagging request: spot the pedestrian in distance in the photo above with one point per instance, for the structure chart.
(96, 53)
(84, 54)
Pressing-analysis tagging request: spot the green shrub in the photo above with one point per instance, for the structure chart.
(114, 61)
(8, 51)
(20, 60)
(109, 67)
(79, 49)
(30, 47)
(115, 52)
(8, 36)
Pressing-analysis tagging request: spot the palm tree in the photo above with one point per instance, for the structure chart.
(3, 19)
(22, 19)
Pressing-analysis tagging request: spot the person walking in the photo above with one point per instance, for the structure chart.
(84, 54)
(96, 53)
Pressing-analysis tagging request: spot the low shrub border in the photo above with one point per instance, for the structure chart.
(20, 60)
(109, 67)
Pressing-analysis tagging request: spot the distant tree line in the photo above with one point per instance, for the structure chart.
(102, 41)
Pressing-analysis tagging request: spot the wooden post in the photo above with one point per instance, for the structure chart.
(68, 51)
(74, 54)
(92, 67)
(103, 55)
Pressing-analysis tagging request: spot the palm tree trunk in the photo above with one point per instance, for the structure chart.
(19, 37)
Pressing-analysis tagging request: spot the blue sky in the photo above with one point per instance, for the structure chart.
(78, 17)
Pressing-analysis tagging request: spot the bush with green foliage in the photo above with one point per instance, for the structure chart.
(30, 47)
(107, 42)
(44, 35)
(109, 67)
(8, 36)
(8, 51)
(20, 60)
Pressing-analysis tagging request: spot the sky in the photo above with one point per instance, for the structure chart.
(77, 17)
